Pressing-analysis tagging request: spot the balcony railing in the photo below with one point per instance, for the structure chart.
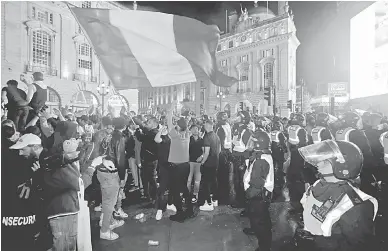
(85, 78)
(51, 71)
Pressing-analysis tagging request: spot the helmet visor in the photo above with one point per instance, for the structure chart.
(319, 152)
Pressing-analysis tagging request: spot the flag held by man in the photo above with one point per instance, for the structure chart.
(151, 49)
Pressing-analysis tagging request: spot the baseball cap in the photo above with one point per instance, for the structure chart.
(26, 140)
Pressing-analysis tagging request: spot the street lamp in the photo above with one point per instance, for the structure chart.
(221, 96)
(103, 90)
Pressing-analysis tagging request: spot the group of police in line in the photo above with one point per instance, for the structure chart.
(329, 169)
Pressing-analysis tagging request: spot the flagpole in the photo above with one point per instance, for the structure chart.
(226, 21)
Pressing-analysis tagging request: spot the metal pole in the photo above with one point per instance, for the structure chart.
(102, 95)
(274, 100)
(301, 96)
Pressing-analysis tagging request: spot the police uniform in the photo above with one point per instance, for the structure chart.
(279, 149)
(320, 133)
(336, 215)
(258, 186)
(295, 172)
(224, 132)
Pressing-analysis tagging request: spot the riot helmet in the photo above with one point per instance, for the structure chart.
(352, 119)
(322, 119)
(298, 119)
(259, 141)
(310, 119)
(344, 159)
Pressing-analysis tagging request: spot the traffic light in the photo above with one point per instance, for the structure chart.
(289, 104)
(267, 95)
(241, 106)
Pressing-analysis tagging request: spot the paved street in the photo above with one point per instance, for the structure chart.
(217, 230)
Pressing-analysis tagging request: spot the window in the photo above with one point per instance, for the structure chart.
(244, 77)
(267, 53)
(231, 44)
(42, 16)
(41, 48)
(218, 47)
(86, 4)
(85, 50)
(244, 58)
(268, 74)
(84, 64)
(224, 63)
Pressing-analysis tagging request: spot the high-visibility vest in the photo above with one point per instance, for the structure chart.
(316, 134)
(269, 181)
(228, 136)
(343, 134)
(384, 143)
(316, 227)
(239, 145)
(275, 136)
(293, 134)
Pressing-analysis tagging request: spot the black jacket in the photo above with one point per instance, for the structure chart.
(116, 152)
(149, 148)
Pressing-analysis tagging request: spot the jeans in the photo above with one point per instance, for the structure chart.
(209, 182)
(195, 171)
(110, 185)
(179, 174)
(64, 230)
(19, 117)
(260, 219)
(135, 173)
(121, 192)
(149, 177)
(164, 175)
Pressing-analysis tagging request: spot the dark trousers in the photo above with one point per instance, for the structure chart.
(209, 183)
(179, 175)
(19, 117)
(238, 175)
(164, 179)
(260, 220)
(93, 192)
(224, 169)
(149, 178)
(295, 180)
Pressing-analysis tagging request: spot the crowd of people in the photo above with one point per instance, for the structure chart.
(330, 166)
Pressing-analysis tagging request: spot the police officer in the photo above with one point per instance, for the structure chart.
(241, 135)
(258, 186)
(224, 132)
(279, 149)
(310, 125)
(295, 172)
(321, 131)
(336, 214)
(352, 132)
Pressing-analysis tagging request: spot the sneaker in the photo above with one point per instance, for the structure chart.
(116, 224)
(109, 235)
(194, 199)
(206, 207)
(159, 215)
(215, 203)
(178, 217)
(171, 207)
(100, 223)
(98, 208)
(120, 213)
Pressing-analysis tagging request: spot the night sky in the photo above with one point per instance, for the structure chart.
(317, 24)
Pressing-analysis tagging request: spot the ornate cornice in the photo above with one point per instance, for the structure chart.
(243, 66)
(266, 60)
(35, 24)
(79, 38)
(255, 44)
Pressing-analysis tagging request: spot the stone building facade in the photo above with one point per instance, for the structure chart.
(44, 36)
(260, 51)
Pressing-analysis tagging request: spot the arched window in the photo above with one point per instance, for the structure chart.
(84, 99)
(53, 99)
(268, 74)
(41, 48)
(84, 61)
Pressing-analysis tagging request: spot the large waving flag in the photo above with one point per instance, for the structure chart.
(151, 49)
